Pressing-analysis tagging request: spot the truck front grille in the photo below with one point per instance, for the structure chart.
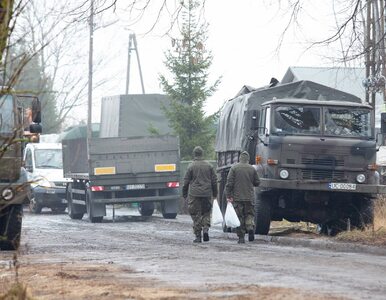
(323, 174)
(323, 162)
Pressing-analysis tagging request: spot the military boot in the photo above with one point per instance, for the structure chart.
(198, 238)
(251, 235)
(241, 240)
(206, 234)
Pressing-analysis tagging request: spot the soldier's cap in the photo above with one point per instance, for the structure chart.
(197, 151)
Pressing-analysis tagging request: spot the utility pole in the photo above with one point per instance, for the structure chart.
(375, 50)
(90, 71)
(133, 46)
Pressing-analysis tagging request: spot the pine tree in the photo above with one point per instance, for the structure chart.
(189, 63)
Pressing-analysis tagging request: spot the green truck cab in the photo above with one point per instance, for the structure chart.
(314, 149)
(19, 124)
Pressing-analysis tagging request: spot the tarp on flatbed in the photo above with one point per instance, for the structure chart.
(134, 115)
(233, 126)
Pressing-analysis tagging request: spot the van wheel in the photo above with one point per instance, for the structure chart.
(10, 227)
(262, 213)
(35, 207)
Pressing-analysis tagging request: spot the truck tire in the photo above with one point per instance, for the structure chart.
(35, 207)
(70, 206)
(90, 214)
(169, 209)
(262, 213)
(363, 213)
(146, 209)
(10, 226)
(58, 209)
(333, 227)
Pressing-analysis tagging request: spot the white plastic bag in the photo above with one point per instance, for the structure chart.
(216, 214)
(231, 219)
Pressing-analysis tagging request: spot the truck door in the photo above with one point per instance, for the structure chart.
(263, 131)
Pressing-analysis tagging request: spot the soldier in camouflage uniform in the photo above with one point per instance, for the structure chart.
(200, 184)
(242, 177)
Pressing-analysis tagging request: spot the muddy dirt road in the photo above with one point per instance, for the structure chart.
(154, 258)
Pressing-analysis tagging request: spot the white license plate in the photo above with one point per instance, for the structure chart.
(342, 186)
(135, 186)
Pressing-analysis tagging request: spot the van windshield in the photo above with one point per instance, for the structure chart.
(326, 120)
(48, 159)
(6, 114)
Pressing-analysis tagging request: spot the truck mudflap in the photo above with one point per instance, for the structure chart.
(316, 185)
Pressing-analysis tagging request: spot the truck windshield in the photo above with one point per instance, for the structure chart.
(323, 120)
(6, 114)
(351, 122)
(289, 119)
(48, 159)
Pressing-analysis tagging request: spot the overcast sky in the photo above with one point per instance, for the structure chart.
(243, 38)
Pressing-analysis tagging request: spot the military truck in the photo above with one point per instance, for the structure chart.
(131, 159)
(15, 131)
(314, 148)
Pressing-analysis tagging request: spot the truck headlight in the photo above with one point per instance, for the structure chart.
(283, 174)
(7, 194)
(361, 178)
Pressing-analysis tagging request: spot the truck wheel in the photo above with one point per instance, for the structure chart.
(10, 226)
(90, 213)
(35, 207)
(146, 209)
(332, 228)
(169, 215)
(70, 206)
(363, 213)
(59, 209)
(262, 213)
(169, 209)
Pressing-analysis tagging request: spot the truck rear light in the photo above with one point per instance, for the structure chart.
(173, 184)
(97, 188)
(271, 161)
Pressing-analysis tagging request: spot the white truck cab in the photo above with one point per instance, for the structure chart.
(44, 165)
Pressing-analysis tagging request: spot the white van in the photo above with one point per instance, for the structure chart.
(44, 165)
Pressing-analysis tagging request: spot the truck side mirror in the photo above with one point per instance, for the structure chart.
(36, 112)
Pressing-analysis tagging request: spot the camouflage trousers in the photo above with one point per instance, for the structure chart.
(200, 210)
(246, 213)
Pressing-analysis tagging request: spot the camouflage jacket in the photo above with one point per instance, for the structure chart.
(241, 179)
(200, 180)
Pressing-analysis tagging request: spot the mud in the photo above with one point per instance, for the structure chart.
(154, 258)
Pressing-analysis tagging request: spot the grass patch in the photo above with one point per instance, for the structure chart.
(375, 236)
(17, 291)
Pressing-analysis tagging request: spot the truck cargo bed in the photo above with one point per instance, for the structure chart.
(122, 160)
